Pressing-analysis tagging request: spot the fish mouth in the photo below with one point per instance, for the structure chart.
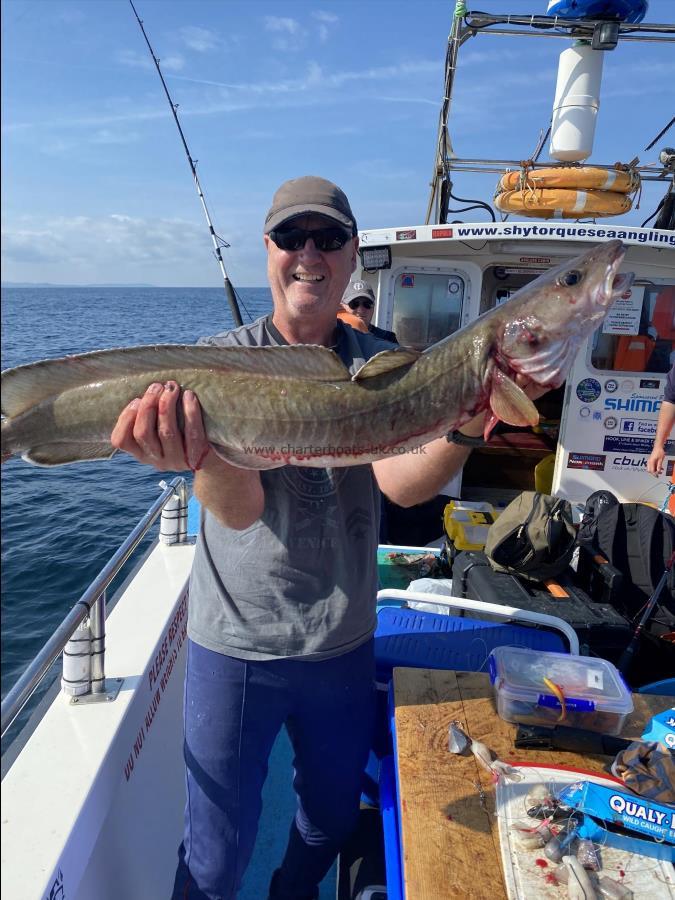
(615, 284)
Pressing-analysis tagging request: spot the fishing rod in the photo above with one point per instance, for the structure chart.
(218, 242)
(627, 656)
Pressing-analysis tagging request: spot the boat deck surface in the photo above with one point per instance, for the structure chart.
(449, 830)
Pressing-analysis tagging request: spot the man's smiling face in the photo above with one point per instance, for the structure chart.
(309, 282)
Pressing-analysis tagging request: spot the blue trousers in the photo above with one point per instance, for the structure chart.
(234, 710)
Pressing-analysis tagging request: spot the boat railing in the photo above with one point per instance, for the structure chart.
(81, 634)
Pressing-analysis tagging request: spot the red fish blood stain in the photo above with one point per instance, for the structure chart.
(541, 863)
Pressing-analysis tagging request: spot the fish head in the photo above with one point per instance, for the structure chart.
(544, 324)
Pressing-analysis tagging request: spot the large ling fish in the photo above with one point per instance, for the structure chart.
(271, 406)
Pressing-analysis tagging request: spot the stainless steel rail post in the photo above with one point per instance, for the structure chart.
(97, 625)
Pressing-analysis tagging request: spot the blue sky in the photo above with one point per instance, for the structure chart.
(96, 187)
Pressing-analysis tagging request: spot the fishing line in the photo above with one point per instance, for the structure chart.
(218, 242)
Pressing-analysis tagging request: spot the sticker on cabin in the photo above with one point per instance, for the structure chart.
(588, 390)
(610, 423)
(650, 384)
(521, 270)
(629, 463)
(408, 235)
(584, 412)
(638, 426)
(408, 281)
(670, 465)
(611, 385)
(625, 313)
(633, 444)
(594, 462)
(441, 232)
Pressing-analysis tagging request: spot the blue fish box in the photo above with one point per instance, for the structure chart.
(647, 828)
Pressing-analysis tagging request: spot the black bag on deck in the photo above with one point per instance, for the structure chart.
(533, 538)
(596, 503)
(638, 541)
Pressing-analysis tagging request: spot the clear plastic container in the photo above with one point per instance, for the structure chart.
(539, 688)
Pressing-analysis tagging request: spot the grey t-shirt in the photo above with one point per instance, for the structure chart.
(301, 581)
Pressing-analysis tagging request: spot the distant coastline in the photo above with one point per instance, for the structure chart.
(40, 284)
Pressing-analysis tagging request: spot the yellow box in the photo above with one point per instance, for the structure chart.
(467, 523)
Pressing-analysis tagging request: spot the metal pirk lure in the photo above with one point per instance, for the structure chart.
(266, 407)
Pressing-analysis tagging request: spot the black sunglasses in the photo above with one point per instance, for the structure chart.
(325, 239)
(364, 302)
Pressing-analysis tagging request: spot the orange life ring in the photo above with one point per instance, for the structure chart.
(580, 178)
(563, 203)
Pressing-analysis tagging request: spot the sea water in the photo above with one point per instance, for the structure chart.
(61, 525)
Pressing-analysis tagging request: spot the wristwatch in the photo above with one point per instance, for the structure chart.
(464, 440)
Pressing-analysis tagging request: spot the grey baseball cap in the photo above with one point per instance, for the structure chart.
(306, 195)
(358, 289)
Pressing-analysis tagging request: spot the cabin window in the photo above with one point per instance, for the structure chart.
(427, 307)
(638, 334)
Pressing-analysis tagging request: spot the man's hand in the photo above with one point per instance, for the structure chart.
(655, 461)
(148, 429)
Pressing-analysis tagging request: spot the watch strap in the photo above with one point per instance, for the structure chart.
(464, 440)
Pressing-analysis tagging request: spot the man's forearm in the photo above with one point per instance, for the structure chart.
(234, 496)
(419, 476)
(665, 423)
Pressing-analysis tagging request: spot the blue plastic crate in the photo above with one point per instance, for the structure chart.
(407, 637)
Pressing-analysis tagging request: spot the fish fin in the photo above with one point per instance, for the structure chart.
(26, 386)
(491, 421)
(58, 453)
(245, 460)
(386, 361)
(510, 403)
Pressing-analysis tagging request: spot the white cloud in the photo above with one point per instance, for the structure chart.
(105, 136)
(325, 20)
(289, 35)
(172, 63)
(98, 247)
(134, 59)
(277, 23)
(200, 39)
(316, 87)
(119, 248)
(322, 16)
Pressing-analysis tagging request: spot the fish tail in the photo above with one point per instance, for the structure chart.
(558, 692)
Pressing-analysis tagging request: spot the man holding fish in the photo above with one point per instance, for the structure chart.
(282, 594)
(290, 445)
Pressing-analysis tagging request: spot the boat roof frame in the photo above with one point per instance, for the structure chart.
(466, 25)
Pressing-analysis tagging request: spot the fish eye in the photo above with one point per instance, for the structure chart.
(569, 279)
